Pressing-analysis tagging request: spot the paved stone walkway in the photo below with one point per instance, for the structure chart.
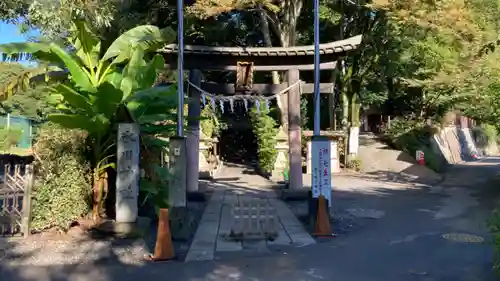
(235, 183)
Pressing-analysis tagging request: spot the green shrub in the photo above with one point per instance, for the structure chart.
(9, 137)
(63, 178)
(354, 164)
(265, 129)
(209, 122)
(410, 135)
(485, 135)
(491, 132)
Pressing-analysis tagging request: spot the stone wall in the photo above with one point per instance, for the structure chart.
(456, 144)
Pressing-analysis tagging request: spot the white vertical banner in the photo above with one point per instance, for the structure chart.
(321, 175)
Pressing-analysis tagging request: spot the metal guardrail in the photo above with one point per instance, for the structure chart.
(253, 218)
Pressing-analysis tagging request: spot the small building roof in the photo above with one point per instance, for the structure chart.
(341, 46)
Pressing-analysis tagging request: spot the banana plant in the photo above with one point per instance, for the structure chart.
(97, 85)
(154, 109)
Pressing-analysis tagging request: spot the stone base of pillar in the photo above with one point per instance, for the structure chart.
(133, 230)
(295, 194)
(181, 223)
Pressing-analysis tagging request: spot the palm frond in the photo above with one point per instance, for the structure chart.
(14, 77)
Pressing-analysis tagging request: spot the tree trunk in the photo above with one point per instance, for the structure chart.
(284, 27)
(354, 123)
(283, 102)
(99, 191)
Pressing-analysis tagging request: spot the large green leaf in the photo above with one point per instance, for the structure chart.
(154, 141)
(86, 43)
(131, 72)
(22, 50)
(107, 99)
(75, 99)
(79, 75)
(148, 75)
(73, 121)
(114, 78)
(101, 124)
(160, 93)
(146, 36)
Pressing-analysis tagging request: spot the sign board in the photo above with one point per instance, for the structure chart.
(127, 178)
(321, 175)
(177, 168)
(419, 155)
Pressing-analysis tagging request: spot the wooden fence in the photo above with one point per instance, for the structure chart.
(15, 200)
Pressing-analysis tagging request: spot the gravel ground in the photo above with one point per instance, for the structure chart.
(76, 247)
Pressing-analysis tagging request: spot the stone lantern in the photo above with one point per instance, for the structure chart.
(281, 162)
(204, 166)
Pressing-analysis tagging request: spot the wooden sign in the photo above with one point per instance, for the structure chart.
(244, 76)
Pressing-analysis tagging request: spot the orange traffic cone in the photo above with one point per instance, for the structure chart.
(323, 227)
(164, 248)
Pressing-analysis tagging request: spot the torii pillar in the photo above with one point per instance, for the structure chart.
(294, 133)
(193, 135)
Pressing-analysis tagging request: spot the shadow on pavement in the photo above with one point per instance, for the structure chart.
(385, 233)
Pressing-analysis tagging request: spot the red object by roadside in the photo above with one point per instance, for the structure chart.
(421, 161)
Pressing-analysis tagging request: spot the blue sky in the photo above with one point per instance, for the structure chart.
(9, 33)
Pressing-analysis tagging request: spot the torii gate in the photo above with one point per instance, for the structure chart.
(290, 59)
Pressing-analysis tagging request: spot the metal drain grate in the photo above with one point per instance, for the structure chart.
(463, 238)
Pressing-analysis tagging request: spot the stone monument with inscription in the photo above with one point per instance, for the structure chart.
(177, 163)
(127, 178)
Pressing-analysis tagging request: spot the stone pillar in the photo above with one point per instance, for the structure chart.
(193, 135)
(281, 163)
(127, 178)
(179, 216)
(177, 166)
(294, 132)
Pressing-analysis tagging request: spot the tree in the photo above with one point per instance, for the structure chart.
(12, 9)
(98, 86)
(28, 102)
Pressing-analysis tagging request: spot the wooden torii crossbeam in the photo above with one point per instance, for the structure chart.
(263, 58)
